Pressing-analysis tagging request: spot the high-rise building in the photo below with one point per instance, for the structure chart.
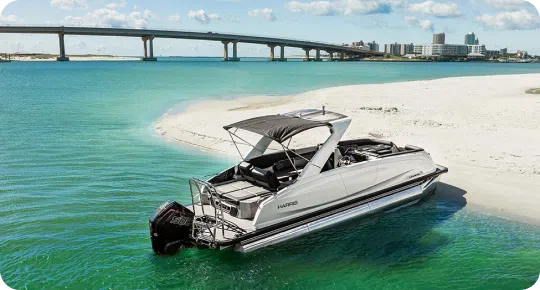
(392, 49)
(373, 46)
(504, 51)
(471, 39)
(493, 52)
(406, 48)
(358, 43)
(439, 38)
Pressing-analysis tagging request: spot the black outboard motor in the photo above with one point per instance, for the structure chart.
(170, 228)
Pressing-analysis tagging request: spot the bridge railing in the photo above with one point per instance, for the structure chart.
(314, 43)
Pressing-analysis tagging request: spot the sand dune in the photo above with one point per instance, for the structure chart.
(485, 129)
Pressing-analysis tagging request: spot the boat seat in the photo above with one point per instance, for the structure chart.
(265, 177)
(287, 174)
(245, 170)
(286, 164)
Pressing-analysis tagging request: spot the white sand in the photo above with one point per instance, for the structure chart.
(486, 130)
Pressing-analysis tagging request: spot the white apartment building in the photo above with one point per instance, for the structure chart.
(476, 49)
(444, 49)
(441, 49)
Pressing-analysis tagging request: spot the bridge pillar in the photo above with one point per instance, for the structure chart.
(145, 41)
(234, 52)
(282, 53)
(318, 55)
(225, 51)
(62, 56)
(341, 56)
(307, 50)
(330, 55)
(272, 56)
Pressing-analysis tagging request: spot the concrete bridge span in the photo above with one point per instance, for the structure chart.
(148, 36)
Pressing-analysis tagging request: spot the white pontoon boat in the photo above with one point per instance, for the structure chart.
(271, 197)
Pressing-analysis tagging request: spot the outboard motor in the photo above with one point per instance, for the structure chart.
(170, 228)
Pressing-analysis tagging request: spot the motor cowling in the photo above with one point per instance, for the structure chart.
(170, 228)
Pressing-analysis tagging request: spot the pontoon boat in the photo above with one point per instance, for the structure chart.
(273, 196)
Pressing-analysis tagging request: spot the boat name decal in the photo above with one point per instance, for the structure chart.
(293, 203)
(416, 175)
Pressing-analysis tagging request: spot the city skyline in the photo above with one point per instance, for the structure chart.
(500, 23)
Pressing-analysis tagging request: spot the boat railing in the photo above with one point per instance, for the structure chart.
(210, 222)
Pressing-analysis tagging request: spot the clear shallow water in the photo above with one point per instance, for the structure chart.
(81, 170)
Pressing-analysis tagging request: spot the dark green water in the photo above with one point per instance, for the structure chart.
(81, 171)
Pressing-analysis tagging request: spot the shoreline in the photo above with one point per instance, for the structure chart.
(483, 128)
(15, 58)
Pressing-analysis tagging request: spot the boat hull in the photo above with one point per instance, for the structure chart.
(174, 226)
(391, 200)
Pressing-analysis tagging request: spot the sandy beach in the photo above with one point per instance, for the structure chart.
(486, 130)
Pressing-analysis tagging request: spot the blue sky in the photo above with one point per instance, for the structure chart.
(498, 23)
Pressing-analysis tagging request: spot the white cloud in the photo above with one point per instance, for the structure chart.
(164, 48)
(175, 18)
(38, 46)
(506, 4)
(18, 46)
(516, 20)
(441, 10)
(233, 18)
(106, 17)
(115, 5)
(140, 19)
(202, 17)
(75, 21)
(80, 44)
(70, 4)
(320, 8)
(325, 8)
(9, 19)
(101, 48)
(135, 7)
(266, 14)
(425, 24)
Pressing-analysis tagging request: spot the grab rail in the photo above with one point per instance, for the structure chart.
(203, 187)
(204, 223)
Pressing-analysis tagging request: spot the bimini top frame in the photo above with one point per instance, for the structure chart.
(283, 127)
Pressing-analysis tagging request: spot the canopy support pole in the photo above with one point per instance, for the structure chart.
(290, 160)
(237, 149)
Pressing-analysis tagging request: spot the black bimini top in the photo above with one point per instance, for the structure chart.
(277, 127)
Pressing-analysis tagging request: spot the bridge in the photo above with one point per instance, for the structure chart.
(148, 36)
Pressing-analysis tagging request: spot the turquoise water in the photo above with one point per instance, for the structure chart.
(81, 171)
